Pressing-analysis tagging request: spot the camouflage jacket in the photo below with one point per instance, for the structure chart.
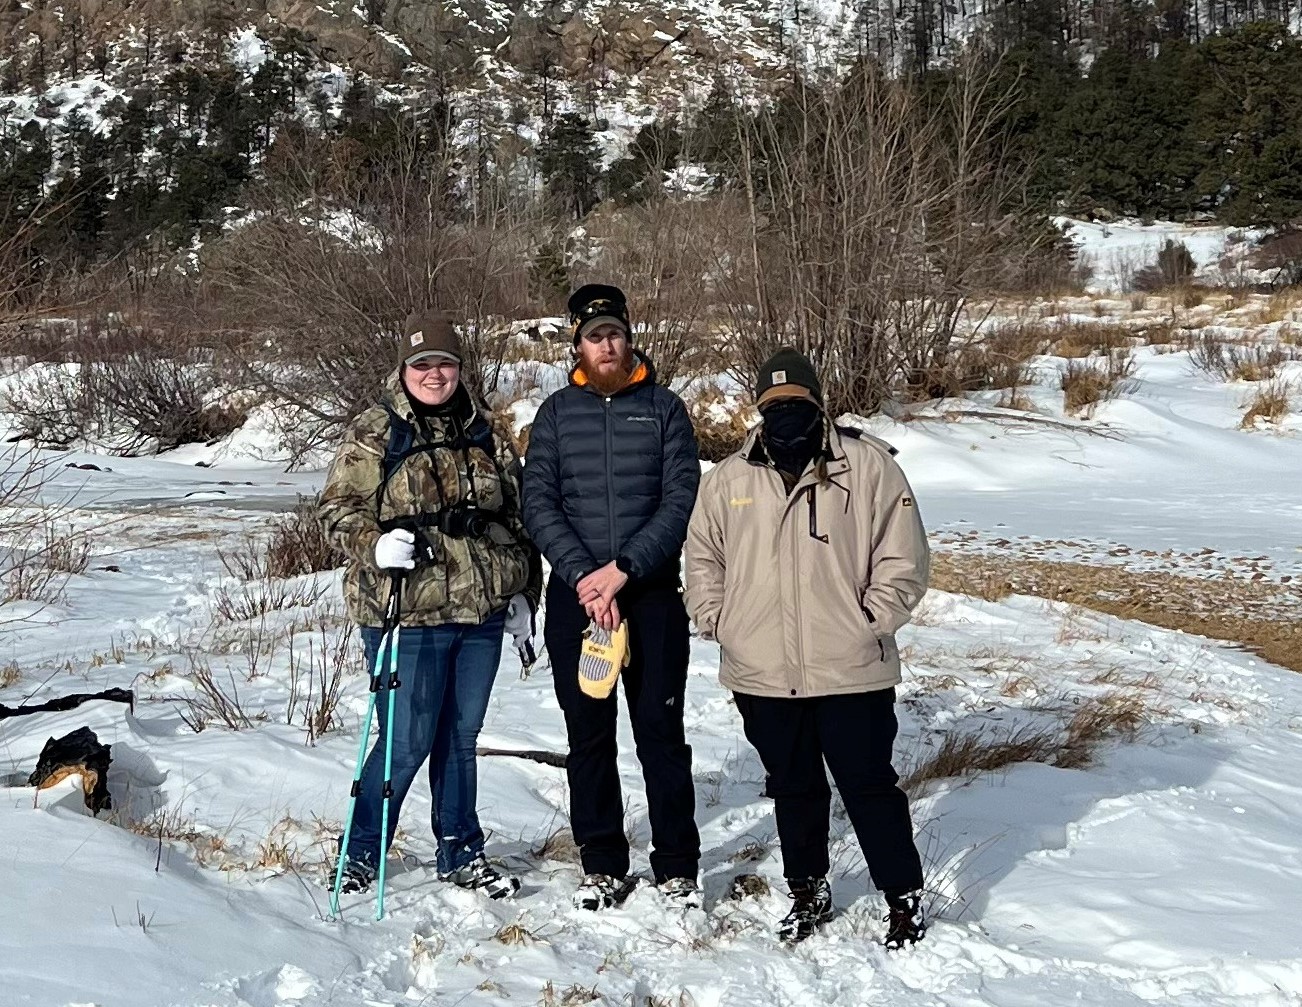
(459, 459)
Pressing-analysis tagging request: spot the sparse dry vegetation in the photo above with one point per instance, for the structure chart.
(211, 701)
(1086, 339)
(1086, 383)
(296, 546)
(1095, 720)
(1235, 609)
(1270, 403)
(1233, 361)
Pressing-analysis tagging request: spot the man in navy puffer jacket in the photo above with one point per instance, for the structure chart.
(609, 485)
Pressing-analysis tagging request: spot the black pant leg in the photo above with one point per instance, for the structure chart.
(785, 733)
(592, 769)
(857, 735)
(654, 685)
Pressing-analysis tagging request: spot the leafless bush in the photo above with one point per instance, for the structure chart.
(1229, 361)
(870, 219)
(1282, 253)
(317, 671)
(662, 252)
(37, 566)
(721, 427)
(1173, 269)
(297, 546)
(128, 386)
(998, 359)
(1086, 383)
(337, 252)
(255, 599)
(211, 702)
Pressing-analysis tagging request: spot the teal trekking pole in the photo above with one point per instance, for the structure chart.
(395, 593)
(388, 648)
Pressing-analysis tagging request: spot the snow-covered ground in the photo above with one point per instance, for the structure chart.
(1167, 871)
(1113, 251)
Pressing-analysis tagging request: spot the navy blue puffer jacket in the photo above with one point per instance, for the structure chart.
(612, 476)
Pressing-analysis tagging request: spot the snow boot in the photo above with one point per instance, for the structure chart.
(481, 876)
(682, 893)
(358, 876)
(601, 891)
(904, 922)
(812, 908)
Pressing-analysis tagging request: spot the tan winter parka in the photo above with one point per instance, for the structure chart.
(804, 591)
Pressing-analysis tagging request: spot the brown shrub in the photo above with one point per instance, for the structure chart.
(1270, 402)
(297, 546)
(1231, 361)
(1086, 339)
(1085, 383)
(720, 429)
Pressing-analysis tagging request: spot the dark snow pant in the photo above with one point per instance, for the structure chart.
(854, 734)
(446, 675)
(654, 683)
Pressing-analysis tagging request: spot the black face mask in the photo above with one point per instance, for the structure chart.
(793, 433)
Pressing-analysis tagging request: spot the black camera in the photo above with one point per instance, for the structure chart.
(464, 521)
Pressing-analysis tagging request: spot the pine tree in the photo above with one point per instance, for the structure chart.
(571, 164)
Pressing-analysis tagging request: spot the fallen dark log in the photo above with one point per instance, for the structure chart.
(71, 702)
(546, 758)
(77, 754)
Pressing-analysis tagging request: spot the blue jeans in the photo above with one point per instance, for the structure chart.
(446, 674)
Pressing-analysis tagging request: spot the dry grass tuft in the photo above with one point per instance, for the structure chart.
(211, 702)
(968, 754)
(558, 845)
(38, 568)
(1088, 339)
(10, 674)
(989, 585)
(1100, 719)
(1097, 720)
(1085, 383)
(514, 933)
(1270, 403)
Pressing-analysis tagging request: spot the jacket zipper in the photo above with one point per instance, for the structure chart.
(610, 478)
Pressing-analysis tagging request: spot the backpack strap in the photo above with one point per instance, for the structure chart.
(402, 435)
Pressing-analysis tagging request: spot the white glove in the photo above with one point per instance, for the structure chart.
(520, 624)
(396, 550)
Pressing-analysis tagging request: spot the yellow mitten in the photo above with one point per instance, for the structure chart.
(603, 655)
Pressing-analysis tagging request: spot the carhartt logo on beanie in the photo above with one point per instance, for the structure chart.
(785, 375)
(430, 334)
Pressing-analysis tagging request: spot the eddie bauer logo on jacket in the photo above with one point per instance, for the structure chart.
(641, 419)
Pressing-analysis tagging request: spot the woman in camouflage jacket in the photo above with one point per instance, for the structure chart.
(425, 487)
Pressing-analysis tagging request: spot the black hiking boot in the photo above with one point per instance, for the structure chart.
(812, 908)
(481, 876)
(601, 891)
(358, 876)
(904, 922)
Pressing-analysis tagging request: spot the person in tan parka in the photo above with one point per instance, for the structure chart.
(805, 554)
